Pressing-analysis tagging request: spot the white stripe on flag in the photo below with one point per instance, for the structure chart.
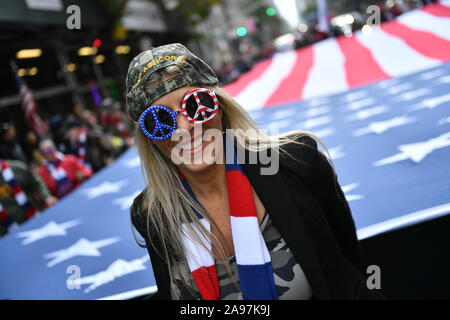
(249, 241)
(197, 256)
(327, 74)
(399, 59)
(420, 20)
(255, 95)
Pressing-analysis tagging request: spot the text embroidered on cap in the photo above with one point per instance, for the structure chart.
(159, 60)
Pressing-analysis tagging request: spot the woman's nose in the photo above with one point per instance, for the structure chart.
(184, 124)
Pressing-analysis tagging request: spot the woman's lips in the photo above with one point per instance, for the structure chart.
(189, 145)
(195, 150)
(192, 147)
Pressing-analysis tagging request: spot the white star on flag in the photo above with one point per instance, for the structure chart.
(355, 96)
(282, 114)
(444, 79)
(379, 127)
(316, 111)
(118, 268)
(336, 152)
(133, 162)
(324, 132)
(82, 247)
(356, 105)
(387, 83)
(431, 74)
(351, 197)
(413, 94)
(367, 113)
(314, 102)
(444, 121)
(126, 202)
(416, 151)
(431, 102)
(51, 229)
(104, 188)
(315, 122)
(278, 124)
(400, 88)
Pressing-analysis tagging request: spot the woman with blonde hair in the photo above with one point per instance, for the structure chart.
(229, 212)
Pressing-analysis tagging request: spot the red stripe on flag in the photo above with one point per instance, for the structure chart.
(240, 206)
(424, 42)
(291, 88)
(437, 10)
(360, 66)
(207, 283)
(258, 69)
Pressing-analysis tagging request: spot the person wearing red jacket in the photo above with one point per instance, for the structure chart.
(61, 173)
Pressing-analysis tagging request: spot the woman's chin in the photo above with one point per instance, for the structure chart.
(195, 168)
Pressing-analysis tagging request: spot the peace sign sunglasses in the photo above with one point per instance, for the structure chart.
(159, 122)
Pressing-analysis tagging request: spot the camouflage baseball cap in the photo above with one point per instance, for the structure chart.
(194, 72)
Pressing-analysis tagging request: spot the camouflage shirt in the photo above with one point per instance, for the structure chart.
(290, 281)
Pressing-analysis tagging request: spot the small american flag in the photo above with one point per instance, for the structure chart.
(33, 120)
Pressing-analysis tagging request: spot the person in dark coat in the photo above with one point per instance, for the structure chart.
(92, 148)
(9, 147)
(229, 212)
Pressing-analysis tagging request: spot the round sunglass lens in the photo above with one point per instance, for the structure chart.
(191, 106)
(149, 123)
(164, 121)
(206, 101)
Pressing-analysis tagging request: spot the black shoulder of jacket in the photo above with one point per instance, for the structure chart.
(314, 169)
(138, 216)
(303, 152)
(309, 163)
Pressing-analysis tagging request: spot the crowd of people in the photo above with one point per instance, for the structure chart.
(230, 71)
(44, 168)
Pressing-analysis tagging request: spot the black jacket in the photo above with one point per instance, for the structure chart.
(308, 207)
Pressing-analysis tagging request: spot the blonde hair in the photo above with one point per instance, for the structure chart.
(168, 204)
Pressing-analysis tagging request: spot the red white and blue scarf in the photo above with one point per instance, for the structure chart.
(63, 183)
(81, 146)
(252, 257)
(19, 196)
